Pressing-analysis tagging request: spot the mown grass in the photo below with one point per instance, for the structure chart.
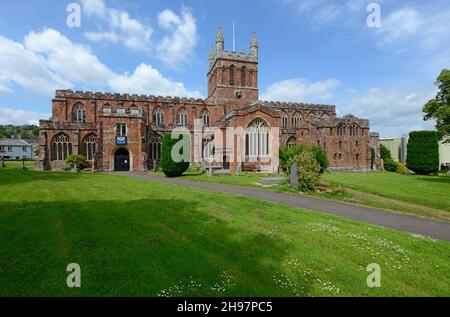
(425, 196)
(431, 191)
(134, 237)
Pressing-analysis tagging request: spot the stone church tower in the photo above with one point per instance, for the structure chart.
(233, 76)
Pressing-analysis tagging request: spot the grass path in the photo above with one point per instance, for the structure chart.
(134, 237)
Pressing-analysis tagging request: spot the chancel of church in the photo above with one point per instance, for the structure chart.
(122, 132)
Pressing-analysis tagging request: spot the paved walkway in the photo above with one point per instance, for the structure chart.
(434, 229)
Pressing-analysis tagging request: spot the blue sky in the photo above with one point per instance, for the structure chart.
(314, 51)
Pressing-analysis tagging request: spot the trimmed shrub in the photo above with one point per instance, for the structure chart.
(169, 167)
(286, 154)
(423, 152)
(390, 165)
(402, 169)
(385, 153)
(308, 171)
(80, 161)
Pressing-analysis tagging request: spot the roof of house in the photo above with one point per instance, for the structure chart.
(13, 142)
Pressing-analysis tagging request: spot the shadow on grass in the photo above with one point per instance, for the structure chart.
(134, 248)
(17, 176)
(436, 179)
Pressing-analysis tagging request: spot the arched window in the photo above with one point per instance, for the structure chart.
(154, 150)
(208, 148)
(89, 146)
(158, 116)
(205, 118)
(243, 75)
(182, 118)
(284, 120)
(291, 142)
(341, 129)
(296, 120)
(79, 114)
(232, 75)
(354, 130)
(257, 138)
(61, 147)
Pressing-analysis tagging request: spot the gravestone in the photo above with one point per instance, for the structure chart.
(294, 179)
(239, 169)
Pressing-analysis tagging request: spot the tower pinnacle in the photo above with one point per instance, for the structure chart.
(219, 41)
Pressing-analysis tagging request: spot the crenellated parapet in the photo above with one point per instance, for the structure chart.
(71, 94)
(66, 126)
(298, 105)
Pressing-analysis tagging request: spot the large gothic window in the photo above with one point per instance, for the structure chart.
(296, 120)
(243, 75)
(284, 120)
(158, 116)
(205, 118)
(257, 138)
(232, 75)
(341, 129)
(79, 114)
(89, 146)
(61, 147)
(182, 118)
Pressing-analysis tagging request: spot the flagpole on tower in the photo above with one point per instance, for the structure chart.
(234, 39)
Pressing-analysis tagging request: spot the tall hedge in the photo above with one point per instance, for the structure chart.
(169, 167)
(423, 152)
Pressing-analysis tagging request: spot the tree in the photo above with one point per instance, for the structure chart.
(423, 152)
(170, 167)
(439, 107)
(385, 153)
(287, 153)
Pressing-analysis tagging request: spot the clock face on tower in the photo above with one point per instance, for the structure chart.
(238, 94)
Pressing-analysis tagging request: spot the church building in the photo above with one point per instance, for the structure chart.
(122, 132)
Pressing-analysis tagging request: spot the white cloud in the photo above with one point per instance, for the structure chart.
(393, 111)
(49, 61)
(122, 28)
(178, 39)
(94, 7)
(73, 61)
(415, 28)
(300, 90)
(18, 116)
(144, 79)
(178, 46)
(26, 68)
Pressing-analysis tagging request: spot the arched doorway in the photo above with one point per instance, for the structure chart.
(122, 160)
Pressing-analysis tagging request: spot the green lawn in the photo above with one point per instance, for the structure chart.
(426, 196)
(431, 191)
(18, 164)
(133, 237)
